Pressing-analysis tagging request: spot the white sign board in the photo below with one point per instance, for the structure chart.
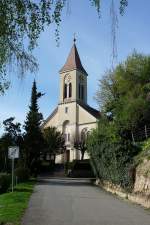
(13, 152)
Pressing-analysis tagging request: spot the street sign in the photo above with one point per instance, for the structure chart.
(13, 152)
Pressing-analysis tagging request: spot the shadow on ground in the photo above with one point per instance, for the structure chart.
(65, 182)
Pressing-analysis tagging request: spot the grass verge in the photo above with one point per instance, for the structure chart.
(13, 205)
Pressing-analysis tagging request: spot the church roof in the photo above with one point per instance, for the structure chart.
(73, 61)
(91, 110)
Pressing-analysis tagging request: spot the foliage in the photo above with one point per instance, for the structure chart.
(5, 181)
(12, 129)
(14, 204)
(145, 152)
(12, 136)
(22, 174)
(111, 156)
(21, 23)
(54, 141)
(123, 97)
(81, 146)
(33, 135)
(124, 94)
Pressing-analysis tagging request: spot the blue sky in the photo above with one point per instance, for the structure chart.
(94, 46)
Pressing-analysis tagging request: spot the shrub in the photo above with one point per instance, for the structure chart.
(112, 157)
(81, 169)
(22, 174)
(5, 181)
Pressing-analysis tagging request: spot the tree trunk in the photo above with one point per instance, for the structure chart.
(82, 155)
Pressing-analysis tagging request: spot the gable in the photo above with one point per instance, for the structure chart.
(87, 114)
(51, 120)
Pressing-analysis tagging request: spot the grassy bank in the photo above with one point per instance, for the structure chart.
(13, 205)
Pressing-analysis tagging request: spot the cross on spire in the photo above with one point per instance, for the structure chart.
(74, 39)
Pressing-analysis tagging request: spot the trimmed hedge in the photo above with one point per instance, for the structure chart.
(5, 181)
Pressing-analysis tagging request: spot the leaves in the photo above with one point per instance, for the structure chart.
(124, 92)
(54, 140)
(21, 23)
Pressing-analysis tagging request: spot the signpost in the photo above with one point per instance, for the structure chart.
(13, 153)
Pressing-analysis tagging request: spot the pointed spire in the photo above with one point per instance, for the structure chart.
(73, 61)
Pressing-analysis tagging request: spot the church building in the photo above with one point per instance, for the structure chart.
(72, 116)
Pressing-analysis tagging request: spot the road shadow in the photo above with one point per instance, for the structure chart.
(65, 182)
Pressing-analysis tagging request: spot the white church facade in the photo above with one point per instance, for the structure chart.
(72, 116)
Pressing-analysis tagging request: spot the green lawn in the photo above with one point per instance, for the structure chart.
(13, 205)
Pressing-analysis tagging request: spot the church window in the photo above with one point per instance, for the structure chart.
(65, 91)
(70, 90)
(66, 109)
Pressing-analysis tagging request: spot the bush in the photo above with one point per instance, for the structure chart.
(79, 168)
(22, 174)
(5, 181)
(112, 157)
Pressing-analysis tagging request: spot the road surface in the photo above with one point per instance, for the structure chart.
(76, 202)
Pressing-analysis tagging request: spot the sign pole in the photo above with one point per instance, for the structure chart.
(12, 174)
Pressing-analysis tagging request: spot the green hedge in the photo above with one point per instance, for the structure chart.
(112, 157)
(5, 181)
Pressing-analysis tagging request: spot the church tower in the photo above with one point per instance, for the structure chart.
(73, 117)
(73, 79)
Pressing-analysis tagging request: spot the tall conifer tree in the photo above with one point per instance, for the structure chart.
(33, 136)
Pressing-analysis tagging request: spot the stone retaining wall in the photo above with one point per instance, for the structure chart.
(141, 191)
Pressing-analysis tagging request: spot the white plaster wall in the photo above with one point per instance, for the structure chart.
(71, 115)
(53, 121)
(84, 116)
(59, 159)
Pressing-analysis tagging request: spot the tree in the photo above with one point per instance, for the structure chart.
(124, 98)
(54, 141)
(12, 129)
(34, 142)
(81, 146)
(12, 136)
(21, 23)
(81, 142)
(124, 94)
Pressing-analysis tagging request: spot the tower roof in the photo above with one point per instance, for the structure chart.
(73, 61)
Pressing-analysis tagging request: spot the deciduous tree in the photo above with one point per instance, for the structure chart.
(21, 23)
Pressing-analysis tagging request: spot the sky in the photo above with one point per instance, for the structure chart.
(94, 46)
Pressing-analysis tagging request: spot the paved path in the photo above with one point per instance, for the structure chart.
(76, 202)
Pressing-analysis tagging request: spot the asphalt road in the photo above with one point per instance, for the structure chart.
(76, 202)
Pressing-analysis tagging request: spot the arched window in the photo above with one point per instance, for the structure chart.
(65, 91)
(70, 90)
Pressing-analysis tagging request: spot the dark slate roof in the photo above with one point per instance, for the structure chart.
(91, 110)
(73, 61)
(49, 117)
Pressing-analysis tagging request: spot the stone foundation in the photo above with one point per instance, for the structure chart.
(141, 191)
